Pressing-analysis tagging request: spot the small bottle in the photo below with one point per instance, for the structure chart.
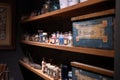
(43, 65)
(27, 37)
(47, 70)
(36, 37)
(51, 61)
(53, 38)
(46, 7)
(44, 37)
(64, 72)
(57, 37)
(66, 38)
(70, 75)
(40, 34)
(54, 5)
(70, 41)
(57, 73)
(61, 39)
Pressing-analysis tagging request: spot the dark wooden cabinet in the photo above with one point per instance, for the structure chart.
(63, 18)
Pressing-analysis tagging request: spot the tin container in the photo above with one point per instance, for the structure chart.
(80, 74)
(95, 33)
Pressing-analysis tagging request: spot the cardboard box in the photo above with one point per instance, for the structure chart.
(95, 33)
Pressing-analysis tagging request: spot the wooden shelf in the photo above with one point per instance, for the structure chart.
(93, 69)
(96, 14)
(36, 71)
(91, 51)
(85, 10)
(71, 11)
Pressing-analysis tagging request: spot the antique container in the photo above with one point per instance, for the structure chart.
(95, 33)
(80, 74)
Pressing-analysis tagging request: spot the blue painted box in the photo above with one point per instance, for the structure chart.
(95, 33)
(80, 74)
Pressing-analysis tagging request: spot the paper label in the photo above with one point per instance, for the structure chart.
(92, 31)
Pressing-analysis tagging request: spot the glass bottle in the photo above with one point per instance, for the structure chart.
(70, 75)
(66, 38)
(57, 38)
(46, 7)
(44, 37)
(61, 39)
(53, 38)
(40, 35)
(36, 37)
(54, 5)
(43, 65)
(70, 42)
(57, 73)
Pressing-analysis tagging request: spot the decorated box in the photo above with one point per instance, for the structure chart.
(80, 74)
(96, 33)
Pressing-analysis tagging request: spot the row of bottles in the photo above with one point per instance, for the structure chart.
(60, 72)
(48, 67)
(61, 39)
(57, 38)
(51, 70)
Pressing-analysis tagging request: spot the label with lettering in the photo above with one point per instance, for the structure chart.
(93, 33)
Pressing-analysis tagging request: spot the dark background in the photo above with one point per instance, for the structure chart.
(11, 57)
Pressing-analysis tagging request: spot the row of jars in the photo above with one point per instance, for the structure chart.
(51, 70)
(57, 38)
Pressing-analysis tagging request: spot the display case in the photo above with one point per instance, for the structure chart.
(61, 20)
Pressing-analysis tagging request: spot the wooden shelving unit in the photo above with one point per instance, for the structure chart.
(85, 10)
(93, 69)
(36, 71)
(71, 11)
(91, 51)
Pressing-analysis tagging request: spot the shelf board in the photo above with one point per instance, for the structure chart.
(96, 14)
(91, 51)
(36, 71)
(93, 69)
(70, 11)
